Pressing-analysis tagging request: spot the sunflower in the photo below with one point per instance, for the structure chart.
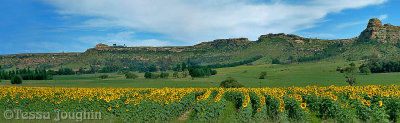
(334, 97)
(281, 108)
(380, 103)
(126, 102)
(303, 105)
(366, 102)
(258, 109)
(109, 108)
(244, 104)
(369, 94)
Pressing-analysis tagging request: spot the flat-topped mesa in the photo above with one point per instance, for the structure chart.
(281, 35)
(101, 45)
(375, 31)
(225, 42)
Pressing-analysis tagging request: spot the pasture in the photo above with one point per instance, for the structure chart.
(318, 73)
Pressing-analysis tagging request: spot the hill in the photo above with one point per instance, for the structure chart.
(376, 40)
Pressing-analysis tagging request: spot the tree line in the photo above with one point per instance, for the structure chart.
(382, 66)
(234, 64)
(26, 74)
(183, 69)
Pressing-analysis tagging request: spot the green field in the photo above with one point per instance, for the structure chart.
(316, 73)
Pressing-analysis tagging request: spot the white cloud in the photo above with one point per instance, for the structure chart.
(354, 23)
(193, 21)
(383, 17)
(122, 38)
(317, 35)
(348, 24)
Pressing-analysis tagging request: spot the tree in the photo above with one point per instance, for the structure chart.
(130, 75)
(230, 83)
(276, 61)
(51, 72)
(365, 70)
(262, 75)
(350, 74)
(164, 75)
(340, 69)
(200, 72)
(16, 79)
(103, 76)
(152, 68)
(80, 71)
(185, 73)
(155, 76)
(147, 75)
(65, 71)
(213, 72)
(175, 74)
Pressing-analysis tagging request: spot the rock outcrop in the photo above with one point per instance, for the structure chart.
(375, 31)
(101, 45)
(231, 42)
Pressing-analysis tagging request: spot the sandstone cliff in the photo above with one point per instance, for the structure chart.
(375, 31)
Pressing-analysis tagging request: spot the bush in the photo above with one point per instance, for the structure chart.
(147, 75)
(276, 61)
(365, 70)
(262, 75)
(65, 71)
(164, 75)
(340, 69)
(16, 80)
(200, 72)
(213, 72)
(103, 76)
(130, 75)
(230, 83)
(155, 76)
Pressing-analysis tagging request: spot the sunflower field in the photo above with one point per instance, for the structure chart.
(371, 103)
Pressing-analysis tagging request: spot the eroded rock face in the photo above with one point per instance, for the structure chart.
(101, 45)
(381, 33)
(282, 35)
(232, 42)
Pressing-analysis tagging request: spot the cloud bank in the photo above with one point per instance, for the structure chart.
(193, 21)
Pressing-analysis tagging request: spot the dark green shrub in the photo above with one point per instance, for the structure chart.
(147, 75)
(130, 75)
(16, 80)
(200, 72)
(262, 75)
(164, 75)
(365, 70)
(276, 61)
(103, 76)
(213, 72)
(155, 76)
(230, 83)
(65, 71)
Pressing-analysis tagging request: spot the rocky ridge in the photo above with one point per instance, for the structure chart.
(375, 31)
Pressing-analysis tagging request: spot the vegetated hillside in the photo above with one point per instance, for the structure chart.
(43, 60)
(376, 40)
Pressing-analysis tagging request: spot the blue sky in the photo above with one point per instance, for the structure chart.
(41, 26)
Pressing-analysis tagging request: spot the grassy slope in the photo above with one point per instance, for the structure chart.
(319, 73)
